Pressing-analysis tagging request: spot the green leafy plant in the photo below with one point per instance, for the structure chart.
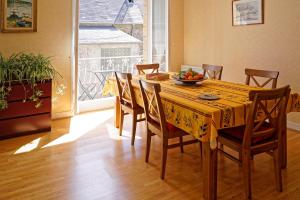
(26, 69)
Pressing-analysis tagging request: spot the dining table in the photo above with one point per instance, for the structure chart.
(202, 118)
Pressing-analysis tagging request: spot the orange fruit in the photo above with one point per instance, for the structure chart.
(188, 74)
(196, 77)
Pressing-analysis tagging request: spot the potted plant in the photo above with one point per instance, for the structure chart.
(25, 94)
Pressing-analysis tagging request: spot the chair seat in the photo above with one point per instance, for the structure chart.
(172, 130)
(237, 133)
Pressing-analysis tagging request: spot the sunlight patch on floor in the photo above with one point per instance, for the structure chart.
(29, 146)
(81, 125)
(114, 133)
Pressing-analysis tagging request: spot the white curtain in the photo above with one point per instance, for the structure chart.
(159, 32)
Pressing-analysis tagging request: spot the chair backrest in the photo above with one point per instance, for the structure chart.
(266, 115)
(152, 104)
(271, 76)
(212, 71)
(125, 89)
(143, 67)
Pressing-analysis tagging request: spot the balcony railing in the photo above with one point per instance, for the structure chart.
(93, 73)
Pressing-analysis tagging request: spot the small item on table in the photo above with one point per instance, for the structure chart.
(207, 96)
(157, 76)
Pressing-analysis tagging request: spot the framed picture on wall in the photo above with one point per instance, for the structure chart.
(247, 12)
(18, 16)
(1, 14)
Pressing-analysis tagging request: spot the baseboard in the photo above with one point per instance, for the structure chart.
(293, 125)
(62, 115)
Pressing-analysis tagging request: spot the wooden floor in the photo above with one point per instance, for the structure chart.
(84, 158)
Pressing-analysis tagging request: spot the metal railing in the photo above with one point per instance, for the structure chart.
(93, 73)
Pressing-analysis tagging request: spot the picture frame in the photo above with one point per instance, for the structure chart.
(1, 14)
(247, 12)
(18, 16)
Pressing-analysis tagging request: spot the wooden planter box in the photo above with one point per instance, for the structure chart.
(23, 118)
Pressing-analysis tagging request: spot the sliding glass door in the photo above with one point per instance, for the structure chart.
(112, 39)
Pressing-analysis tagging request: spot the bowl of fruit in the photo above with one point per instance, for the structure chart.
(189, 77)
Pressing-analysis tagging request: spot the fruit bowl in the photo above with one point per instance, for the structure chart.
(188, 82)
(188, 77)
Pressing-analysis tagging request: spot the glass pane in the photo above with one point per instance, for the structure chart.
(110, 39)
(159, 29)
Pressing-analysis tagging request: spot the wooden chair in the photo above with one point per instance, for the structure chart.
(271, 76)
(252, 73)
(128, 102)
(143, 67)
(259, 136)
(157, 125)
(212, 71)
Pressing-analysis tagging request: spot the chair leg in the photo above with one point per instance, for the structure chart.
(240, 158)
(134, 122)
(149, 137)
(277, 167)
(247, 174)
(164, 158)
(121, 122)
(181, 143)
(200, 146)
(222, 146)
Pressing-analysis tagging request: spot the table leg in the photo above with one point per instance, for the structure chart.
(284, 144)
(210, 165)
(117, 112)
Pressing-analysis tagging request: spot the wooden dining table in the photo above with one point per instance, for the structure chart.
(203, 118)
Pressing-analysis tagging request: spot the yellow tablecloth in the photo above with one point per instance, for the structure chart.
(201, 118)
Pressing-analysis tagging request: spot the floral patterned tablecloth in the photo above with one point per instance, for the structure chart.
(201, 118)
